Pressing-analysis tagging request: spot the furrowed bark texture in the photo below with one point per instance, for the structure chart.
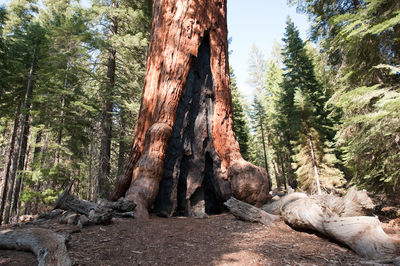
(187, 66)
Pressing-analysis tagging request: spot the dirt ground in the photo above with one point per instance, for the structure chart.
(216, 240)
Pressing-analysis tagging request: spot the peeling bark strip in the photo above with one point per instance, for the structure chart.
(178, 29)
(48, 246)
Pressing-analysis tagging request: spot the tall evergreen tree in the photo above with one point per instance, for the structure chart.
(360, 39)
(304, 118)
(122, 42)
(240, 124)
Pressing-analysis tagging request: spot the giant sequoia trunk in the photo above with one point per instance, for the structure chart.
(185, 159)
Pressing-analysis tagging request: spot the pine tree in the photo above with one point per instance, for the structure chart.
(304, 118)
(360, 40)
(273, 79)
(25, 37)
(122, 39)
(240, 124)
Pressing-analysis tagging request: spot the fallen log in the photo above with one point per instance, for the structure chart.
(327, 215)
(49, 247)
(93, 211)
(90, 212)
(248, 212)
(364, 235)
(354, 203)
(303, 213)
(122, 205)
(275, 206)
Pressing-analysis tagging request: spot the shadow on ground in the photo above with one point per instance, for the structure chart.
(217, 240)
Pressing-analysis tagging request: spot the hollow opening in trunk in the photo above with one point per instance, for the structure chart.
(189, 185)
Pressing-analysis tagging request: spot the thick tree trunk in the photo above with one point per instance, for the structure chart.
(106, 123)
(184, 136)
(264, 149)
(63, 102)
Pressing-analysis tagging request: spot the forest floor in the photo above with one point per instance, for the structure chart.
(216, 240)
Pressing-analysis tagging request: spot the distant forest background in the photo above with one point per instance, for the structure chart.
(325, 114)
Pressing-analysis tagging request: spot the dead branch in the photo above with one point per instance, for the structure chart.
(248, 212)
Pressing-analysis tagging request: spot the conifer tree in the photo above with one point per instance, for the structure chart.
(122, 41)
(304, 118)
(240, 124)
(360, 40)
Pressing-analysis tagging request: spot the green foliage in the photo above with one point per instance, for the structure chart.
(303, 118)
(361, 41)
(240, 125)
(312, 153)
(68, 47)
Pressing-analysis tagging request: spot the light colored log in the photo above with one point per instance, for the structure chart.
(48, 246)
(364, 235)
(248, 212)
(275, 206)
(303, 213)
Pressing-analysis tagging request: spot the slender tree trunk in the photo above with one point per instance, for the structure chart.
(32, 163)
(282, 164)
(9, 162)
(21, 167)
(4, 150)
(24, 116)
(122, 146)
(185, 154)
(277, 174)
(314, 163)
(106, 124)
(60, 130)
(265, 152)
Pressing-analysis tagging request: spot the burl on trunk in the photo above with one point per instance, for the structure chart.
(185, 159)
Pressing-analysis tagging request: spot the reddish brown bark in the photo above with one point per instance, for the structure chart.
(178, 30)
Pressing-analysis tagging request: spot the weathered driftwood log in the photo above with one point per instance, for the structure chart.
(275, 206)
(337, 217)
(361, 233)
(248, 212)
(303, 213)
(48, 246)
(354, 203)
(364, 235)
